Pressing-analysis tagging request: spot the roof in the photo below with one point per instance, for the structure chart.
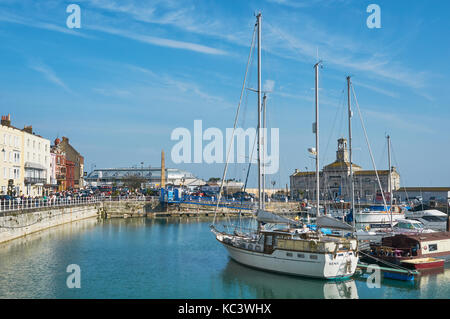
(341, 164)
(420, 237)
(303, 173)
(149, 172)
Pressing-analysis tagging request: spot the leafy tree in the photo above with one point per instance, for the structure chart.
(133, 182)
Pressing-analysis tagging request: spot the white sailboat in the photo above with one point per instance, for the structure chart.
(292, 248)
(363, 218)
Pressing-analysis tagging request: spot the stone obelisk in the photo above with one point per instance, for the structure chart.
(163, 170)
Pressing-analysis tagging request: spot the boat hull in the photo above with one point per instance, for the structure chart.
(423, 263)
(324, 266)
(366, 218)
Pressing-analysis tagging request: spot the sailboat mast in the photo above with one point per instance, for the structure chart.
(264, 143)
(352, 190)
(260, 202)
(316, 129)
(389, 177)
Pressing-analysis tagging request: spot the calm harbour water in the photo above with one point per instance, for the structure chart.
(166, 258)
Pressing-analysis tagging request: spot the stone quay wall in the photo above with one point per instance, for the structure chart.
(19, 223)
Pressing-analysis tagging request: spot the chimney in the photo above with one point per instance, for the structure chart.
(28, 129)
(6, 120)
(65, 139)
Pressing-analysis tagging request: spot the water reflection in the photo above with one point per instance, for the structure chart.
(271, 285)
(34, 266)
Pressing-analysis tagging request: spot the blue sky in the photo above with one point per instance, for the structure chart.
(136, 70)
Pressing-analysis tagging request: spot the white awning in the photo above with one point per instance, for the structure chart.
(35, 166)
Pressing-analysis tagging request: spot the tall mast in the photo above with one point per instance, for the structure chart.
(264, 143)
(389, 177)
(260, 203)
(316, 129)
(352, 191)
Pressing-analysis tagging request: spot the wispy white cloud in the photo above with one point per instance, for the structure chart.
(307, 3)
(159, 41)
(339, 52)
(35, 23)
(376, 89)
(49, 74)
(170, 87)
(186, 16)
(112, 92)
(400, 120)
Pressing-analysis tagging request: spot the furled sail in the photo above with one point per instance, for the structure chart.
(268, 217)
(330, 222)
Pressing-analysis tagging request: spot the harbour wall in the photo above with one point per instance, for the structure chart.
(17, 224)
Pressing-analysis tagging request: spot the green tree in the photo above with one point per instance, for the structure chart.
(133, 182)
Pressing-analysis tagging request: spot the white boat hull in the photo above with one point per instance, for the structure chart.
(323, 267)
(377, 217)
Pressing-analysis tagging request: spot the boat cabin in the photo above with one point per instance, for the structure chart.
(410, 246)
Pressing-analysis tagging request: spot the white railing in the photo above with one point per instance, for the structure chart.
(12, 205)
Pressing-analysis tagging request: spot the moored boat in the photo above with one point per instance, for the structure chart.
(423, 263)
(295, 249)
(405, 247)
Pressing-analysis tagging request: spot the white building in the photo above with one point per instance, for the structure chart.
(335, 180)
(11, 167)
(37, 163)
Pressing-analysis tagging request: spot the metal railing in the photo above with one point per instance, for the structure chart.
(35, 180)
(16, 204)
